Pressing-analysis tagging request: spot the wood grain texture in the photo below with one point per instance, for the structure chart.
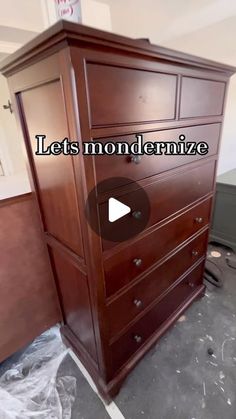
(115, 165)
(145, 289)
(208, 97)
(93, 85)
(128, 343)
(73, 288)
(120, 267)
(28, 299)
(166, 197)
(137, 96)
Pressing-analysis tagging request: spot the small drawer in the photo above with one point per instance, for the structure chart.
(166, 197)
(129, 343)
(124, 308)
(201, 97)
(109, 166)
(129, 262)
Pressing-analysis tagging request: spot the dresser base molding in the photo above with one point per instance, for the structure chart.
(109, 390)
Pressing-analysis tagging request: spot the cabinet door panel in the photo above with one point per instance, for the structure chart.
(44, 113)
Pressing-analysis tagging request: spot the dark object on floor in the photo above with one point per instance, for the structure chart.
(210, 351)
(231, 260)
(213, 273)
(223, 225)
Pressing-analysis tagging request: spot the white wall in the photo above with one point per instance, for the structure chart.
(22, 14)
(19, 21)
(96, 15)
(9, 133)
(205, 28)
(217, 42)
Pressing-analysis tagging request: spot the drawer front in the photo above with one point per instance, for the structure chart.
(131, 95)
(165, 196)
(201, 97)
(122, 267)
(131, 303)
(127, 345)
(108, 166)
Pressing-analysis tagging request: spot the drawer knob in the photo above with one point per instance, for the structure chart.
(195, 253)
(137, 262)
(191, 284)
(136, 159)
(137, 303)
(138, 338)
(199, 220)
(137, 215)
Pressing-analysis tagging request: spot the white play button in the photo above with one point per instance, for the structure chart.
(116, 209)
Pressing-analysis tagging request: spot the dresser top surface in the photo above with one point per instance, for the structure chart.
(65, 33)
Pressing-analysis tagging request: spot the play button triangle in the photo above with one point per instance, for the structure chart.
(116, 209)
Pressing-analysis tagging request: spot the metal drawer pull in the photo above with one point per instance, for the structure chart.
(137, 262)
(137, 215)
(136, 159)
(138, 338)
(138, 303)
(199, 220)
(191, 284)
(195, 253)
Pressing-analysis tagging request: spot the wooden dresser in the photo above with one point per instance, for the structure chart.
(118, 298)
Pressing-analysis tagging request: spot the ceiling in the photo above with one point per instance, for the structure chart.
(20, 21)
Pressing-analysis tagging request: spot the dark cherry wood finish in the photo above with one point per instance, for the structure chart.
(127, 305)
(109, 166)
(132, 340)
(144, 102)
(90, 85)
(166, 197)
(208, 97)
(59, 205)
(150, 248)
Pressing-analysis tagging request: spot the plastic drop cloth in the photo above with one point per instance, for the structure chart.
(31, 388)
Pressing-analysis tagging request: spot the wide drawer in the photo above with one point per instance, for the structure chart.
(131, 342)
(125, 307)
(166, 197)
(108, 166)
(121, 95)
(122, 266)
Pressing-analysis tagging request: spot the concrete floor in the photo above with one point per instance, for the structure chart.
(178, 379)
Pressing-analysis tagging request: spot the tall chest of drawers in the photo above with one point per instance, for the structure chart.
(118, 298)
